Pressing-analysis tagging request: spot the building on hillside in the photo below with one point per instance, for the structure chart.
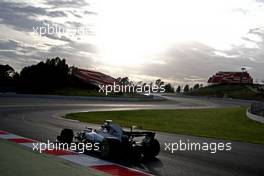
(242, 77)
(93, 77)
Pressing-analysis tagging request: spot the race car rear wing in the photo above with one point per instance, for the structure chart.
(140, 134)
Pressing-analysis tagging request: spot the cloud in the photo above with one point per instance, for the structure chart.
(24, 17)
(57, 14)
(20, 16)
(90, 12)
(67, 3)
(16, 47)
(253, 54)
(17, 54)
(260, 1)
(18, 20)
(188, 65)
(185, 60)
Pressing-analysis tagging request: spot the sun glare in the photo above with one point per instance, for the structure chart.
(133, 32)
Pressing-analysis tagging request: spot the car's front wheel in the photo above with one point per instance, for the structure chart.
(66, 136)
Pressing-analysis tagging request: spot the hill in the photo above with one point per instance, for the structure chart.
(247, 92)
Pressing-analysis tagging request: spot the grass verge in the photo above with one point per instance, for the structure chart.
(222, 123)
(15, 160)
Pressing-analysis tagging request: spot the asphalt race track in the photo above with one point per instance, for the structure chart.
(38, 117)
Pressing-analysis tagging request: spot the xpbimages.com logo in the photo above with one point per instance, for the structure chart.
(76, 147)
(146, 89)
(59, 30)
(187, 145)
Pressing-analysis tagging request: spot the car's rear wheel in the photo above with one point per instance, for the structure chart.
(151, 149)
(135, 153)
(105, 149)
(66, 136)
(109, 148)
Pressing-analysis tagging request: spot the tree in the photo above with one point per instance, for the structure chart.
(119, 79)
(196, 86)
(139, 83)
(124, 80)
(169, 88)
(158, 82)
(178, 90)
(186, 88)
(7, 75)
(131, 83)
(45, 76)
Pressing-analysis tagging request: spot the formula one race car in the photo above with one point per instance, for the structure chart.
(113, 141)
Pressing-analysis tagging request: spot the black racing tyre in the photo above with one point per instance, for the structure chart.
(109, 148)
(66, 136)
(135, 153)
(151, 149)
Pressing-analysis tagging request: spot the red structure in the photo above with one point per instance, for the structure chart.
(93, 77)
(231, 78)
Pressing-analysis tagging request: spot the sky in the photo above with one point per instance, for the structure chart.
(178, 41)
